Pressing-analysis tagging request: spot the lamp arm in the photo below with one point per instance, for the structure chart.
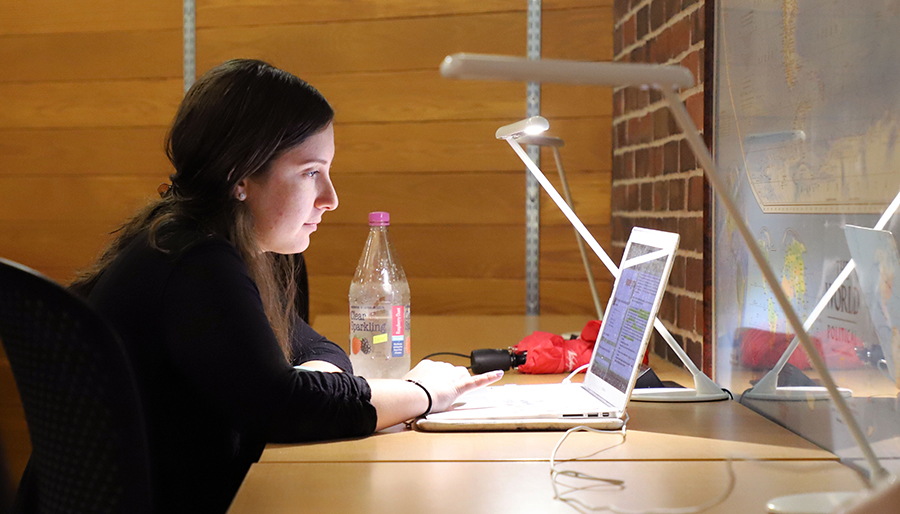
(564, 207)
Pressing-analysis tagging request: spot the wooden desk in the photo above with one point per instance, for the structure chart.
(681, 431)
(492, 487)
(673, 455)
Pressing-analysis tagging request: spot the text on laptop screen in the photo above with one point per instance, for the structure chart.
(627, 317)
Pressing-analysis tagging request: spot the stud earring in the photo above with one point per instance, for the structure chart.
(242, 196)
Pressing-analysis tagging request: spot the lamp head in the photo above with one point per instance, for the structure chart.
(553, 142)
(528, 127)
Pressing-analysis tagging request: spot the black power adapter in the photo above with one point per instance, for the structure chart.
(490, 360)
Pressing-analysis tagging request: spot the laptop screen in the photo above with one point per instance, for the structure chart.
(629, 314)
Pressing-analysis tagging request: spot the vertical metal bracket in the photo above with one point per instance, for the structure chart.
(190, 46)
(532, 188)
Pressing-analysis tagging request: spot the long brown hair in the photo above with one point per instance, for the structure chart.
(232, 123)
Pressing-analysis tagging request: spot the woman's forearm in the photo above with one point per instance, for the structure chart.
(396, 401)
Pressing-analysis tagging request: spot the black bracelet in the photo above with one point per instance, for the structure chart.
(428, 410)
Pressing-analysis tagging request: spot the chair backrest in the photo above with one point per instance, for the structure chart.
(5, 484)
(81, 401)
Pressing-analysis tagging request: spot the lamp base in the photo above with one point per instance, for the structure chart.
(675, 394)
(794, 394)
(809, 503)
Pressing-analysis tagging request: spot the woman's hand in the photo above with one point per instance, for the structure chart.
(398, 400)
(446, 382)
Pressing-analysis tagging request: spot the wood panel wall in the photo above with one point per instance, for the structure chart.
(88, 89)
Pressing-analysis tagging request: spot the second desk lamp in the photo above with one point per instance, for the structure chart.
(704, 388)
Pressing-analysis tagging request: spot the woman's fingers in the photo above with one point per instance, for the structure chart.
(474, 382)
(463, 383)
(445, 382)
(486, 378)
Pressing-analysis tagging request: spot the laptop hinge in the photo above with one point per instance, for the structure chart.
(597, 396)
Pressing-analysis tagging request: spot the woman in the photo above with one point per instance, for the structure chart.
(200, 285)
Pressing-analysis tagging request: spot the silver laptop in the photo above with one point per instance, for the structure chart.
(600, 400)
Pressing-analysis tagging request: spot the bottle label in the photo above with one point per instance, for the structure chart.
(379, 331)
(368, 330)
(398, 341)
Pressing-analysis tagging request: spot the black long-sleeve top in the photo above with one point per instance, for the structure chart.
(215, 382)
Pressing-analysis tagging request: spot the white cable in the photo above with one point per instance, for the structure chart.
(616, 483)
(578, 370)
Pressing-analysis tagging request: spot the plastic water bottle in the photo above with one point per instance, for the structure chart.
(379, 307)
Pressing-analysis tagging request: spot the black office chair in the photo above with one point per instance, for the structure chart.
(5, 485)
(81, 401)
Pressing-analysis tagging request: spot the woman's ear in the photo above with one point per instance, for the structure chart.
(240, 190)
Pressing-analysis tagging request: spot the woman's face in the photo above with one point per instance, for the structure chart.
(287, 203)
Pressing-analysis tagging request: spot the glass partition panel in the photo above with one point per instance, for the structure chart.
(806, 137)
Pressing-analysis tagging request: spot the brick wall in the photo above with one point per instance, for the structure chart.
(656, 181)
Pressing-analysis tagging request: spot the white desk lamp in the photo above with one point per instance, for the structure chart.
(667, 79)
(704, 388)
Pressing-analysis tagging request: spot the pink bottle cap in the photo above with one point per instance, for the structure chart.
(379, 219)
